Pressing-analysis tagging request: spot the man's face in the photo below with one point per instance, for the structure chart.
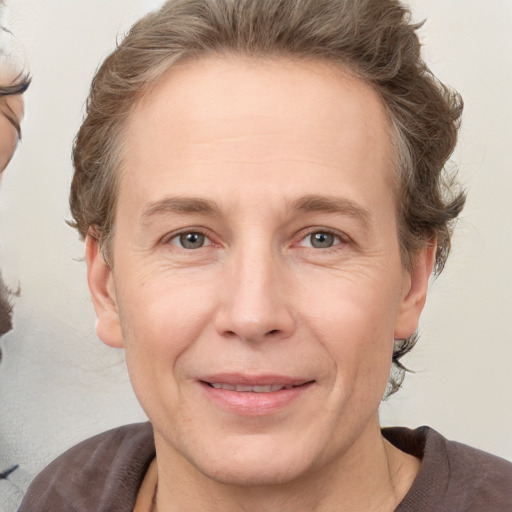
(257, 284)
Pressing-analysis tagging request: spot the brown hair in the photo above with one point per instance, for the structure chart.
(373, 39)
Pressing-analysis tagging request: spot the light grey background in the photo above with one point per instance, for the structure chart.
(59, 384)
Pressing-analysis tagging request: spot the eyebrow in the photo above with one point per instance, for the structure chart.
(309, 203)
(332, 204)
(179, 205)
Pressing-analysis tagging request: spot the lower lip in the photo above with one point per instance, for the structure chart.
(247, 403)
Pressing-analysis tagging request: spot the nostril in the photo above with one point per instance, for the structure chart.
(273, 331)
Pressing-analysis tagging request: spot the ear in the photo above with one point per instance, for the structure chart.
(415, 291)
(101, 286)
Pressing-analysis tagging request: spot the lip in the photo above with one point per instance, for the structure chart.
(254, 403)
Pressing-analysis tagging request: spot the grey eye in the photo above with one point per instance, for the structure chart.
(192, 240)
(322, 240)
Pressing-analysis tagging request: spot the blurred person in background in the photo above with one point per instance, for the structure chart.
(13, 83)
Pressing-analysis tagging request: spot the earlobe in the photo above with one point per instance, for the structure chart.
(415, 292)
(101, 286)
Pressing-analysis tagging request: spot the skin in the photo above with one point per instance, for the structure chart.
(11, 112)
(275, 151)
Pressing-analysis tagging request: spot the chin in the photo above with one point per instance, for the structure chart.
(254, 466)
(248, 475)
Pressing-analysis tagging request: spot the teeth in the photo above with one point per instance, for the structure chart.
(229, 387)
(243, 388)
(249, 389)
(267, 389)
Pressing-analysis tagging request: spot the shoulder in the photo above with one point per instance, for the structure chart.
(453, 476)
(485, 479)
(101, 473)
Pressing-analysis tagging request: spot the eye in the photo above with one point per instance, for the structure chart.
(190, 240)
(320, 240)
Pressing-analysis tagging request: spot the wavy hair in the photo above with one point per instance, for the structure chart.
(375, 40)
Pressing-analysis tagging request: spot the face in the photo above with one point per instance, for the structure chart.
(257, 284)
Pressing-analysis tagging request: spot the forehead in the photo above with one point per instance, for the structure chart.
(238, 116)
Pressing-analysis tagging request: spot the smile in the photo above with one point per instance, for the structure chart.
(250, 389)
(254, 395)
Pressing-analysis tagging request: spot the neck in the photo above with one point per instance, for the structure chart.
(372, 476)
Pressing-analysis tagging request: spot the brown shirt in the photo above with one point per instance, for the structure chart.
(104, 474)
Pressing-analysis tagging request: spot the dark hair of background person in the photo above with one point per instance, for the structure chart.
(374, 40)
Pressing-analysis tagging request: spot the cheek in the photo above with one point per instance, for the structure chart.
(354, 320)
(8, 141)
(160, 318)
(159, 324)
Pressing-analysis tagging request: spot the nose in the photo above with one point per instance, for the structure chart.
(256, 303)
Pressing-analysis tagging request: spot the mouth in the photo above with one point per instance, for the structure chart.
(243, 388)
(262, 395)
